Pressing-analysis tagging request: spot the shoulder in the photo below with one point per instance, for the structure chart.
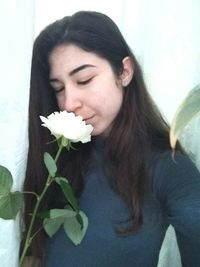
(169, 163)
(176, 185)
(172, 173)
(169, 159)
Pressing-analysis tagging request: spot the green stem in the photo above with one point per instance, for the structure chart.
(29, 238)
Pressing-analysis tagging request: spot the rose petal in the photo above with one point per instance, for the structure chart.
(68, 125)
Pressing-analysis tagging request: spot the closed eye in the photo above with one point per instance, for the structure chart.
(58, 90)
(84, 82)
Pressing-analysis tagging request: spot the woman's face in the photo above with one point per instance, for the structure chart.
(85, 84)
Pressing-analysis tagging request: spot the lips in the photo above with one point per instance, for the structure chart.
(88, 120)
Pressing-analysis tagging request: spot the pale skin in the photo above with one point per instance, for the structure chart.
(85, 84)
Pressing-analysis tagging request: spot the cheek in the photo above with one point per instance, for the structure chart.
(111, 104)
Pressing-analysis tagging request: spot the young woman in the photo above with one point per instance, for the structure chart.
(125, 178)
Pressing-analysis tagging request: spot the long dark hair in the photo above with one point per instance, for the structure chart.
(138, 129)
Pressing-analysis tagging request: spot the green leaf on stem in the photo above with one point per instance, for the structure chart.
(74, 230)
(58, 213)
(71, 222)
(51, 226)
(50, 164)
(10, 204)
(55, 218)
(80, 220)
(6, 180)
(68, 192)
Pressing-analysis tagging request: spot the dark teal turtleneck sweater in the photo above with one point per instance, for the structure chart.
(175, 200)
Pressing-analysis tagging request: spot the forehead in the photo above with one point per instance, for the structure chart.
(72, 56)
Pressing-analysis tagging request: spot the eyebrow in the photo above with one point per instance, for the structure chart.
(74, 71)
(81, 68)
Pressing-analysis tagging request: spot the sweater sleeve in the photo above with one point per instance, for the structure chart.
(176, 184)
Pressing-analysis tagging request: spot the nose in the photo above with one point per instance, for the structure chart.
(72, 101)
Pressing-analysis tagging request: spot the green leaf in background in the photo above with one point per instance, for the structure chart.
(10, 204)
(50, 164)
(6, 180)
(74, 230)
(188, 110)
(68, 192)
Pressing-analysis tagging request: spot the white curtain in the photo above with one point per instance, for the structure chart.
(165, 37)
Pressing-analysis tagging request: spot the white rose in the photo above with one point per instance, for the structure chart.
(69, 126)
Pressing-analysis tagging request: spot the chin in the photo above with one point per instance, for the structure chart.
(96, 132)
(101, 131)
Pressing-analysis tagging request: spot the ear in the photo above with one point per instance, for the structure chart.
(128, 71)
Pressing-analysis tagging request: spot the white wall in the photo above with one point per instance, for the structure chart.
(16, 28)
(57, 9)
